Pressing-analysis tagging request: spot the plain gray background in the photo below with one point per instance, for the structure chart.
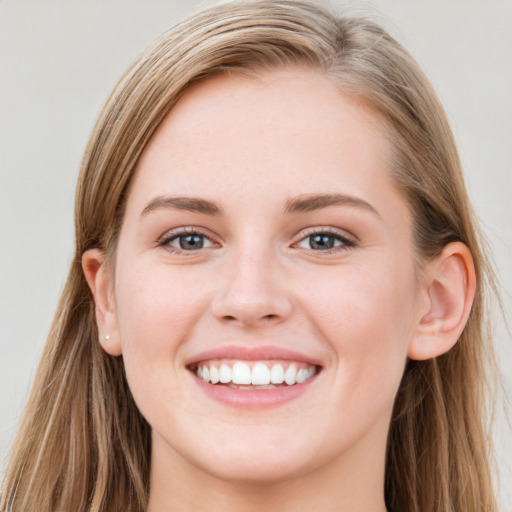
(60, 59)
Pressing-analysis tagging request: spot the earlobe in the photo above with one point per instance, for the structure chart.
(450, 285)
(98, 278)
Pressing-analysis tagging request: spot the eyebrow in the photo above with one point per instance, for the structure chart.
(189, 204)
(311, 202)
(301, 204)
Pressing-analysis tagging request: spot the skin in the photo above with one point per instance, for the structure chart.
(360, 309)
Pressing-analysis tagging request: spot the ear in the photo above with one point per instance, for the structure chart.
(98, 278)
(449, 287)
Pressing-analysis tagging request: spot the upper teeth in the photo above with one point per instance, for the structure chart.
(259, 375)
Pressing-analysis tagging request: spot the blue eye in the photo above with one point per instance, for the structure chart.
(187, 242)
(321, 242)
(191, 242)
(324, 241)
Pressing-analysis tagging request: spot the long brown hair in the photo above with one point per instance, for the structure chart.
(83, 445)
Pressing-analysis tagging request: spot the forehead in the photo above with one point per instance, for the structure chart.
(284, 131)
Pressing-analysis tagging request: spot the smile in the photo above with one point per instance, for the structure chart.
(254, 377)
(255, 374)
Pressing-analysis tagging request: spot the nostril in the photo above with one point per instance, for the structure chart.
(232, 318)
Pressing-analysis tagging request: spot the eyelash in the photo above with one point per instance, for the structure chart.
(346, 243)
(177, 234)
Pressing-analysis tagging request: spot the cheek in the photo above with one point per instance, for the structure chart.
(154, 302)
(366, 316)
(157, 311)
(363, 306)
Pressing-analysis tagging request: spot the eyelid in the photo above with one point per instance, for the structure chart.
(349, 240)
(163, 241)
(314, 230)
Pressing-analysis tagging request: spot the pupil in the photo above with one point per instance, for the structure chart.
(321, 242)
(188, 242)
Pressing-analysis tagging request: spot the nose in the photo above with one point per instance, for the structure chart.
(253, 291)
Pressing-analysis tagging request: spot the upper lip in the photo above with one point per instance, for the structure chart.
(256, 353)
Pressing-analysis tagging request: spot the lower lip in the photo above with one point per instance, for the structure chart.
(253, 398)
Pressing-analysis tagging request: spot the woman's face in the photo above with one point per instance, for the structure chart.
(263, 234)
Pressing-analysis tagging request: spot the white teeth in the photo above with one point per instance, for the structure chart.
(225, 374)
(290, 374)
(260, 374)
(277, 374)
(214, 375)
(241, 373)
(301, 376)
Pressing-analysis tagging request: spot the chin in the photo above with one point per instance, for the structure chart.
(260, 460)
(256, 471)
(245, 455)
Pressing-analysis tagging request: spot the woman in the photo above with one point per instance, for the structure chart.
(278, 293)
